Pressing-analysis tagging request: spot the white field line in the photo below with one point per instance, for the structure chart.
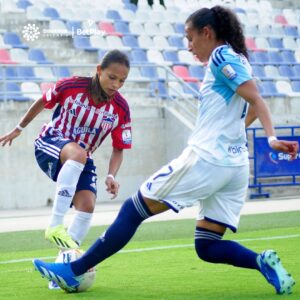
(162, 248)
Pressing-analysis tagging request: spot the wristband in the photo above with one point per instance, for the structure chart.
(271, 139)
(111, 176)
(19, 127)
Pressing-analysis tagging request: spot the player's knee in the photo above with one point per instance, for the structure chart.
(73, 151)
(204, 240)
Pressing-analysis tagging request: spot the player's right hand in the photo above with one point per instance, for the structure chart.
(290, 147)
(8, 138)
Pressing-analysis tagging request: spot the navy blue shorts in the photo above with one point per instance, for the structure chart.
(47, 152)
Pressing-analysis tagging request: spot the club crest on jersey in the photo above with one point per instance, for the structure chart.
(229, 72)
(107, 123)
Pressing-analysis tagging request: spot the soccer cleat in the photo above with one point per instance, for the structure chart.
(274, 272)
(53, 285)
(61, 273)
(59, 236)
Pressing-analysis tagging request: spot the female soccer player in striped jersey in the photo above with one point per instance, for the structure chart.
(87, 110)
(213, 170)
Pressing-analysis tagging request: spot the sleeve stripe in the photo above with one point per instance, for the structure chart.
(217, 57)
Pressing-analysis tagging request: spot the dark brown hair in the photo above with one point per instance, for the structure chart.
(113, 56)
(225, 24)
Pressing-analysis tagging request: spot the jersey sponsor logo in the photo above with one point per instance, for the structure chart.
(236, 149)
(126, 136)
(79, 103)
(229, 72)
(85, 129)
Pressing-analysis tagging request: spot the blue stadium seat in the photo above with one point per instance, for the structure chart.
(13, 92)
(291, 31)
(158, 88)
(113, 14)
(287, 71)
(83, 43)
(62, 72)
(260, 57)
(251, 57)
(179, 28)
(122, 27)
(130, 6)
(259, 71)
(72, 26)
(172, 56)
(130, 41)
(51, 13)
(276, 43)
(11, 38)
(37, 55)
(149, 72)
(288, 56)
(139, 56)
(268, 89)
(8, 73)
(23, 4)
(296, 69)
(295, 85)
(176, 41)
(25, 73)
(275, 58)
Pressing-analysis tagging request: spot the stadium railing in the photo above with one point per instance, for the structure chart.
(271, 168)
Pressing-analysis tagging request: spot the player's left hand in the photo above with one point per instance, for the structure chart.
(112, 187)
(290, 147)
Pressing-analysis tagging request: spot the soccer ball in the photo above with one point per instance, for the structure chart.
(71, 255)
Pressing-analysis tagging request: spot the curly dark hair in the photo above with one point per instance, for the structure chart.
(225, 24)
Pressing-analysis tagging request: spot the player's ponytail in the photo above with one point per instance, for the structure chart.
(225, 24)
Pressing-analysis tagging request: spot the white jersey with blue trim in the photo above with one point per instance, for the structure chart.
(219, 136)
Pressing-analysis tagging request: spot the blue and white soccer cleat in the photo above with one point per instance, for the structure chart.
(53, 285)
(274, 272)
(61, 273)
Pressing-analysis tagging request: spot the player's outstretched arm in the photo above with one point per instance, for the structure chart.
(32, 112)
(249, 92)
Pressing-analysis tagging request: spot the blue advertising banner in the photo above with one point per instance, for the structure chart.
(270, 163)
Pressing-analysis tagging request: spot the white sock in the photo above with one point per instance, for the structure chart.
(67, 180)
(80, 226)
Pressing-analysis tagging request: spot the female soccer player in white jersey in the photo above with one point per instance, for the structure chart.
(213, 170)
(87, 109)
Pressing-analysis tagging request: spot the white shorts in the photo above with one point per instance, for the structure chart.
(188, 179)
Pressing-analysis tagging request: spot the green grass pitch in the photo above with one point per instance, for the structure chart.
(159, 263)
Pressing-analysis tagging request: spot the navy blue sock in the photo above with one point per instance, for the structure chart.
(132, 213)
(211, 248)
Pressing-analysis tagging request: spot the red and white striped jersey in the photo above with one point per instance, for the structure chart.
(78, 118)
